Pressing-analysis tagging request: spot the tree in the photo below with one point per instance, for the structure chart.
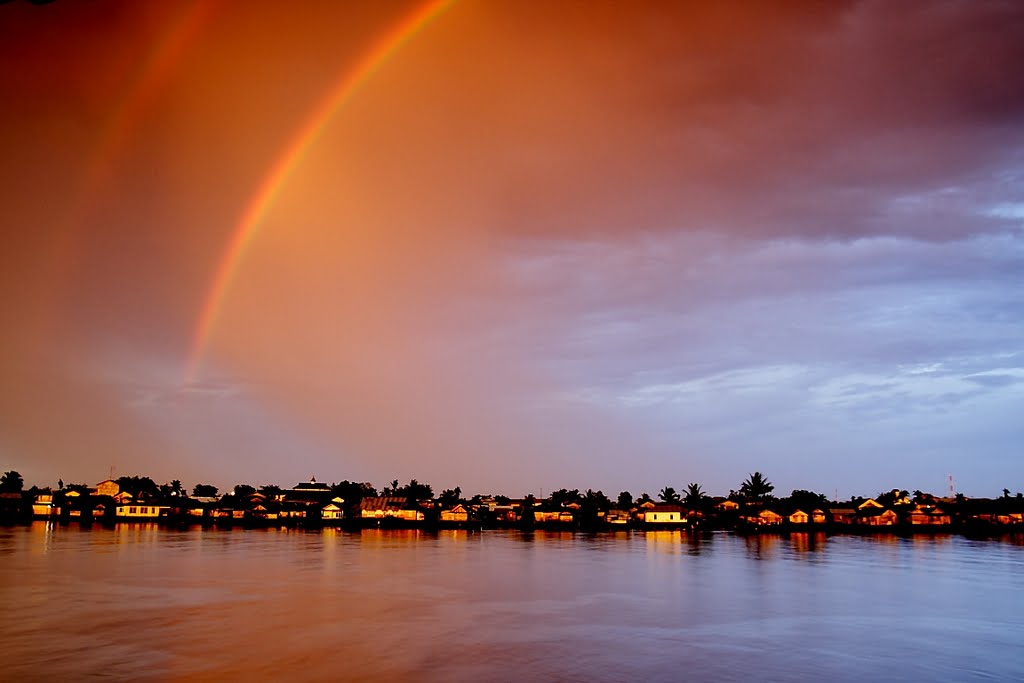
(669, 495)
(563, 497)
(353, 492)
(143, 487)
(756, 487)
(644, 498)
(11, 482)
(695, 495)
(414, 490)
(450, 497)
(625, 501)
(204, 490)
(526, 517)
(271, 490)
(807, 500)
(242, 490)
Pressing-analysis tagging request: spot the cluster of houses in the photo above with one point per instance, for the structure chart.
(314, 503)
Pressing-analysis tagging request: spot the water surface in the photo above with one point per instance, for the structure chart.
(145, 603)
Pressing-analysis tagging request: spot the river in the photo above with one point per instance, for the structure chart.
(138, 602)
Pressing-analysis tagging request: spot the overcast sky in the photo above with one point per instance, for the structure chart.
(542, 245)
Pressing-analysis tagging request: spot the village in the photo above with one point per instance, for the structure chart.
(751, 508)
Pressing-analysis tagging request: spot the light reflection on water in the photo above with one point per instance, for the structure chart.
(141, 602)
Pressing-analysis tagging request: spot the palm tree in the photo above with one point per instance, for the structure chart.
(669, 495)
(11, 482)
(694, 495)
(756, 487)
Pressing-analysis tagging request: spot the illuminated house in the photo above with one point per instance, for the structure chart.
(661, 514)
(552, 516)
(458, 513)
(728, 505)
(617, 517)
(928, 515)
(141, 511)
(389, 507)
(766, 518)
(332, 512)
(107, 487)
(43, 506)
(872, 517)
(123, 497)
(799, 517)
(817, 516)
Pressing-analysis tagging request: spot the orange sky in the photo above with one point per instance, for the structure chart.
(577, 244)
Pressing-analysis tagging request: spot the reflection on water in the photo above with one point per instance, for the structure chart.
(137, 601)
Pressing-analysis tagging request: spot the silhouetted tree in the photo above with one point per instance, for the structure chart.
(450, 497)
(353, 492)
(695, 496)
(11, 482)
(204, 490)
(526, 517)
(139, 486)
(756, 487)
(414, 491)
(807, 500)
(669, 495)
(644, 498)
(242, 490)
(563, 497)
(625, 500)
(271, 490)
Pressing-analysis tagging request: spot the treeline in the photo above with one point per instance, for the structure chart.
(756, 490)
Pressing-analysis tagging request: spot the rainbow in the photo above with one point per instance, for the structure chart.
(287, 161)
(114, 139)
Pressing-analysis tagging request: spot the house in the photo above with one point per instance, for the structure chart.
(818, 516)
(927, 515)
(870, 504)
(332, 512)
(108, 487)
(147, 511)
(728, 505)
(389, 507)
(872, 517)
(799, 517)
(122, 497)
(43, 506)
(309, 492)
(457, 513)
(662, 514)
(617, 517)
(843, 515)
(766, 518)
(552, 517)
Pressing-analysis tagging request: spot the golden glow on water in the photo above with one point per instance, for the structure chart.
(462, 605)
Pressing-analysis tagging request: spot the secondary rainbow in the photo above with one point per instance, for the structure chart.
(290, 159)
